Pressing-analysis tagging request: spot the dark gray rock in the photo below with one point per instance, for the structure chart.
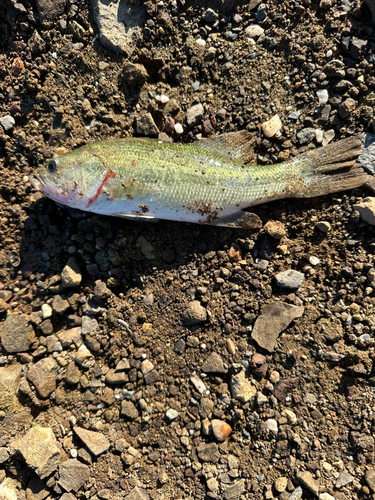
(208, 452)
(289, 279)
(49, 10)
(214, 364)
(128, 410)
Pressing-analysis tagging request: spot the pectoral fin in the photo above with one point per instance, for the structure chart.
(241, 220)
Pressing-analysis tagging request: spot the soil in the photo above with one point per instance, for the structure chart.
(174, 293)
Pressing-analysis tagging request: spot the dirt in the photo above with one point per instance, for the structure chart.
(138, 279)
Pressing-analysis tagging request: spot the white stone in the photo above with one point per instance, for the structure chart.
(291, 416)
(272, 425)
(171, 414)
(198, 384)
(178, 128)
(46, 311)
(164, 99)
(201, 42)
(319, 135)
(322, 96)
(146, 366)
(253, 31)
(272, 126)
(326, 496)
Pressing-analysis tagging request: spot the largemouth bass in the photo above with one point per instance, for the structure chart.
(208, 182)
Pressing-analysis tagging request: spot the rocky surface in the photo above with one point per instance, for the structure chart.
(147, 361)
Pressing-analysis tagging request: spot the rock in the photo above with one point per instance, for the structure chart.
(120, 24)
(297, 494)
(234, 491)
(89, 326)
(272, 126)
(208, 452)
(146, 126)
(71, 275)
(275, 228)
(254, 31)
(72, 374)
(96, 442)
(306, 135)
(39, 449)
(137, 494)
(179, 346)
(60, 305)
(281, 484)
(212, 484)
(241, 388)
(43, 375)
(290, 279)
(370, 478)
(220, 429)
(84, 358)
(71, 337)
(194, 115)
(347, 107)
(198, 384)
(134, 74)
(274, 319)
(128, 410)
(323, 226)
(73, 475)
(50, 10)
(322, 96)
(146, 248)
(10, 377)
(284, 387)
(214, 364)
(366, 210)
(17, 334)
(195, 313)
(7, 122)
(209, 16)
(307, 480)
(271, 425)
(171, 414)
(326, 496)
(9, 489)
(343, 479)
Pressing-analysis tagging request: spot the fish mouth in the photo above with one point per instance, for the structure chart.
(37, 182)
(69, 195)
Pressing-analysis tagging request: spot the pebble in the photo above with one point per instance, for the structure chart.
(370, 478)
(198, 384)
(172, 414)
(84, 358)
(208, 452)
(10, 378)
(146, 247)
(194, 115)
(221, 430)
(7, 122)
(272, 425)
(134, 74)
(289, 279)
(16, 333)
(128, 410)
(209, 16)
(178, 128)
(39, 449)
(43, 375)
(296, 494)
(46, 311)
(146, 366)
(306, 135)
(59, 305)
(71, 275)
(235, 491)
(73, 474)
(322, 96)
(271, 127)
(324, 226)
(137, 494)
(366, 210)
(347, 107)
(281, 484)
(231, 346)
(194, 314)
(275, 318)
(326, 496)
(319, 135)
(214, 364)
(314, 261)
(307, 480)
(275, 228)
(96, 442)
(212, 484)
(241, 388)
(146, 126)
(71, 337)
(254, 31)
(261, 13)
(344, 479)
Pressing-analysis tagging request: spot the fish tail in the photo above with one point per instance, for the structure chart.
(332, 168)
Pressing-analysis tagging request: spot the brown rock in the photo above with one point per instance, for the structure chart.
(221, 429)
(96, 442)
(43, 375)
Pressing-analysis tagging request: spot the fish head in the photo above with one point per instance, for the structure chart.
(71, 179)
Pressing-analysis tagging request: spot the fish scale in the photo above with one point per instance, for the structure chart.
(208, 182)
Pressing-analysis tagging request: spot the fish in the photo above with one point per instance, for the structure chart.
(207, 182)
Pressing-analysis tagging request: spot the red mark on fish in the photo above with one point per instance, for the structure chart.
(107, 176)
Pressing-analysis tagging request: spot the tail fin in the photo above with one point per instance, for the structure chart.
(333, 168)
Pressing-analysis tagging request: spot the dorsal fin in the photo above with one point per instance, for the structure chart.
(235, 146)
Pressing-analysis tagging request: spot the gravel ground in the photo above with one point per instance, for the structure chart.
(166, 360)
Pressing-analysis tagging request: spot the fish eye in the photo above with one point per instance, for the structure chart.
(52, 166)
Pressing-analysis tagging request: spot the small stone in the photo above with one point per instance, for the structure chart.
(146, 247)
(221, 429)
(290, 279)
(323, 226)
(179, 346)
(290, 415)
(16, 333)
(137, 494)
(275, 228)
(43, 375)
(322, 96)
(275, 318)
(344, 479)
(169, 125)
(209, 16)
(296, 494)
(72, 374)
(208, 452)
(212, 484)
(178, 128)
(146, 126)
(326, 496)
(307, 480)
(172, 414)
(134, 74)
(146, 366)
(71, 275)
(272, 126)
(281, 484)
(231, 346)
(71, 337)
(241, 388)
(128, 410)
(96, 442)
(366, 210)
(7, 122)
(214, 364)
(195, 313)
(347, 107)
(60, 305)
(39, 449)
(254, 31)
(271, 425)
(235, 491)
(84, 358)
(73, 475)
(10, 378)
(198, 384)
(46, 311)
(370, 478)
(306, 135)
(194, 115)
